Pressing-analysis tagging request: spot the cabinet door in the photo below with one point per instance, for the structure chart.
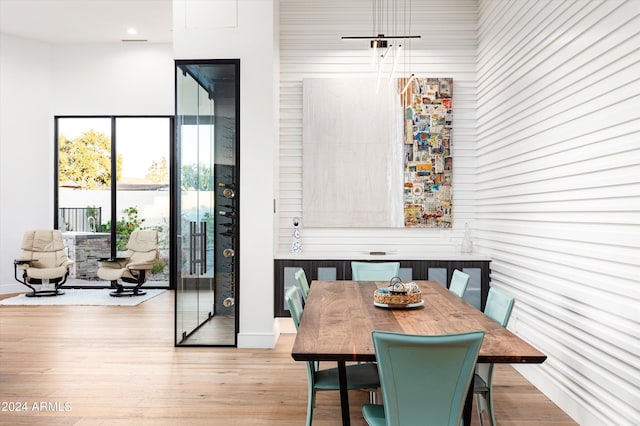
(285, 270)
(439, 275)
(327, 273)
(479, 273)
(406, 274)
(472, 295)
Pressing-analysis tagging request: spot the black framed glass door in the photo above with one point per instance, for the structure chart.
(206, 203)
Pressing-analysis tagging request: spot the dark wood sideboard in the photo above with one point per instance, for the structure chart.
(417, 269)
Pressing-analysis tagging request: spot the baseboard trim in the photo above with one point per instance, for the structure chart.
(259, 340)
(13, 288)
(573, 408)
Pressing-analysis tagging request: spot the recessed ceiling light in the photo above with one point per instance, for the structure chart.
(132, 31)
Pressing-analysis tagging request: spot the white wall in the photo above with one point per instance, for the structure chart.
(113, 79)
(558, 192)
(39, 81)
(26, 157)
(311, 47)
(245, 29)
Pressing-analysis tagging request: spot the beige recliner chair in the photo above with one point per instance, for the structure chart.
(44, 262)
(134, 267)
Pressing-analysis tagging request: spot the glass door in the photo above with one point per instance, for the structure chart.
(206, 202)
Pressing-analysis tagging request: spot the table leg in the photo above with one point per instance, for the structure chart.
(468, 405)
(344, 393)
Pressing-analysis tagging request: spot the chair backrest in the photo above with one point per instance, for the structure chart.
(303, 284)
(499, 306)
(143, 245)
(295, 306)
(459, 283)
(424, 379)
(374, 271)
(45, 245)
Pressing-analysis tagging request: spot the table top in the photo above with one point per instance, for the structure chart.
(339, 317)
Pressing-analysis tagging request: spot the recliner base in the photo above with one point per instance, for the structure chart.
(45, 293)
(127, 292)
(121, 291)
(48, 291)
(131, 291)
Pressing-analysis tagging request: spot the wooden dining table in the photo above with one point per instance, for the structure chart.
(339, 317)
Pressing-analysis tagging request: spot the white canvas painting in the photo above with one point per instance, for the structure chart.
(352, 154)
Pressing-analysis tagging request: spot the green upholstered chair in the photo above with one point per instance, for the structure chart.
(459, 283)
(498, 307)
(359, 376)
(303, 284)
(424, 379)
(374, 271)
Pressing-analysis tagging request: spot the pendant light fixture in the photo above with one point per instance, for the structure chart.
(385, 40)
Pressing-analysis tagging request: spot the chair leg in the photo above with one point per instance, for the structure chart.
(484, 402)
(492, 417)
(479, 408)
(310, 404)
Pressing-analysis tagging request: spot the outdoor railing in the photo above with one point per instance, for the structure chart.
(80, 219)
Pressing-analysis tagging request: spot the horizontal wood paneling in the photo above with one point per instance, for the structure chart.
(558, 191)
(311, 47)
(546, 161)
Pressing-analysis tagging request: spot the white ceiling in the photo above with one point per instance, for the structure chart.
(87, 21)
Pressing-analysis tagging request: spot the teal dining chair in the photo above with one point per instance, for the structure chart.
(459, 283)
(424, 379)
(359, 376)
(374, 271)
(498, 307)
(303, 284)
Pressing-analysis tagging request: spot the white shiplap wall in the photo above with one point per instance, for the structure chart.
(558, 192)
(310, 46)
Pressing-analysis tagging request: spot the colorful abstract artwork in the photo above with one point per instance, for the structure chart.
(427, 106)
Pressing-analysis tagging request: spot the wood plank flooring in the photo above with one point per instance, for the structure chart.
(115, 365)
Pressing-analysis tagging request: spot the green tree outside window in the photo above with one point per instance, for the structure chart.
(86, 160)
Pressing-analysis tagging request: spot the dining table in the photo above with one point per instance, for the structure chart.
(339, 316)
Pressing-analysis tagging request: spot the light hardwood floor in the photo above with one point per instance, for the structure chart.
(117, 365)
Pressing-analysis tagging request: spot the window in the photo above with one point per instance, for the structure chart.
(112, 176)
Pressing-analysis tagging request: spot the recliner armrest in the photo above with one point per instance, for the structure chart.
(140, 265)
(112, 259)
(23, 264)
(113, 262)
